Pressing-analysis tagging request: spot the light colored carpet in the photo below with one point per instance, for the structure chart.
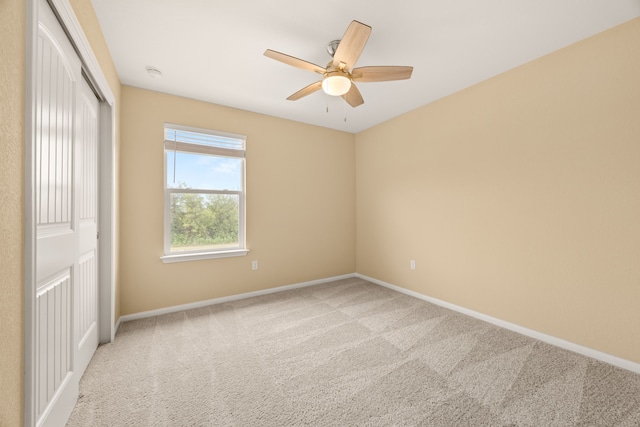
(346, 353)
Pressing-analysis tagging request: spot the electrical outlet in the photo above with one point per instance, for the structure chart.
(254, 265)
(412, 264)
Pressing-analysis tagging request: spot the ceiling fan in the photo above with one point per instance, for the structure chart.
(340, 74)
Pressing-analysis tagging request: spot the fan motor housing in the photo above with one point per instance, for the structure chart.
(332, 47)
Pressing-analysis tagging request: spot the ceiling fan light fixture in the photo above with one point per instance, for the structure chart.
(336, 84)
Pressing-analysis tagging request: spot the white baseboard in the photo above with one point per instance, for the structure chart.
(115, 330)
(198, 304)
(549, 339)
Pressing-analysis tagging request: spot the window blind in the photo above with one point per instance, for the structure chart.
(203, 141)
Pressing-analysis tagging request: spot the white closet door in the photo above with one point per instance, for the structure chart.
(66, 284)
(86, 290)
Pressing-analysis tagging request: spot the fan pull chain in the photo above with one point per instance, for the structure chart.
(344, 111)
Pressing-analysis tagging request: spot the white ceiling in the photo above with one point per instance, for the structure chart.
(212, 50)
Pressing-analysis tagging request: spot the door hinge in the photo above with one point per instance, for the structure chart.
(97, 235)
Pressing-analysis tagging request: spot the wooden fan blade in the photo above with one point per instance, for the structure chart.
(307, 90)
(293, 61)
(351, 44)
(353, 97)
(381, 74)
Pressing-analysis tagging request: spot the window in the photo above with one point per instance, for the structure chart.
(204, 194)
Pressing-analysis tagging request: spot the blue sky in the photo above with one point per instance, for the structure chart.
(205, 172)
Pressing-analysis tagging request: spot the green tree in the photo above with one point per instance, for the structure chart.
(203, 219)
(224, 209)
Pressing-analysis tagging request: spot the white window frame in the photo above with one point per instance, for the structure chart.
(171, 146)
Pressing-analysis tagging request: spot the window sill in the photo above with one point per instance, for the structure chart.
(203, 255)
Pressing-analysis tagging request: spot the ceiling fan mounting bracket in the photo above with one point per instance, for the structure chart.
(332, 47)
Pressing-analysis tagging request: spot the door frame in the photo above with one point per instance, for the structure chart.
(106, 189)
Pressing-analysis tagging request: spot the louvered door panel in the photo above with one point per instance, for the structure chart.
(54, 344)
(54, 142)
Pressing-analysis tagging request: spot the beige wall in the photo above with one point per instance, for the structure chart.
(12, 93)
(300, 204)
(518, 197)
(12, 66)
